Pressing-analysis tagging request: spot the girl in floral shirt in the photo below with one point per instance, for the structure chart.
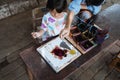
(54, 21)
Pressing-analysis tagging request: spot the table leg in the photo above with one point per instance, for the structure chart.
(30, 74)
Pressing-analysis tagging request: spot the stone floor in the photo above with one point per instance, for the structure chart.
(15, 37)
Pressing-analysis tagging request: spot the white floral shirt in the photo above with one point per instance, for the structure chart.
(52, 26)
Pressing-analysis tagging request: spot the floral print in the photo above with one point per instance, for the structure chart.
(52, 25)
(51, 20)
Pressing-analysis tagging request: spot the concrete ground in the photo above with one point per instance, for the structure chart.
(15, 37)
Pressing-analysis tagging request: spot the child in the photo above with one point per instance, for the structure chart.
(54, 21)
(87, 9)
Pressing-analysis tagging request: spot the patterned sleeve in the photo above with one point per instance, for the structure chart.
(44, 23)
(75, 6)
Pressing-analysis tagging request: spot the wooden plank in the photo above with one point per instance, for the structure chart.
(23, 77)
(114, 75)
(11, 67)
(13, 75)
(14, 56)
(0, 76)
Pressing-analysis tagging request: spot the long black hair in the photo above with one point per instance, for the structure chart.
(59, 5)
(94, 2)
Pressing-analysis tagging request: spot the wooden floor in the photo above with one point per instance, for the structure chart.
(102, 66)
(13, 68)
(14, 71)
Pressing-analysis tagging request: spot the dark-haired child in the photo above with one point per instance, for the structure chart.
(53, 21)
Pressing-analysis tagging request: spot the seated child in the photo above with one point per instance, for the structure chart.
(53, 21)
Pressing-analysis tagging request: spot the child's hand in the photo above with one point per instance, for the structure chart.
(64, 33)
(35, 34)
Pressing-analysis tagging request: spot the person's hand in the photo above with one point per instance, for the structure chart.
(83, 6)
(64, 33)
(35, 34)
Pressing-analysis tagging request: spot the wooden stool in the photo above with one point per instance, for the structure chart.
(115, 64)
(37, 15)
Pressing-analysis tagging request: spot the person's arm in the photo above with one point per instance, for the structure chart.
(43, 28)
(65, 32)
(83, 6)
(74, 8)
(69, 19)
(37, 34)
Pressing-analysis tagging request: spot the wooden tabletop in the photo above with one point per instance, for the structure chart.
(40, 69)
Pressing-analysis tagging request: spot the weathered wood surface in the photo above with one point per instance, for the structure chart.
(98, 66)
(40, 69)
(13, 71)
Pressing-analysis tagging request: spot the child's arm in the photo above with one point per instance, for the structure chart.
(37, 34)
(43, 28)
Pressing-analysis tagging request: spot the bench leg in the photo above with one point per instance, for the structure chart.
(30, 74)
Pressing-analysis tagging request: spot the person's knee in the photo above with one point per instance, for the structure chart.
(85, 15)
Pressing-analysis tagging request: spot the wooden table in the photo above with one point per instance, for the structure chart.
(40, 70)
(37, 67)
